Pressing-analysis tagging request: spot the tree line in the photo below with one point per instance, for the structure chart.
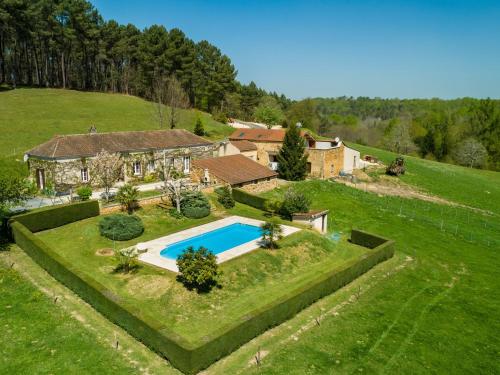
(67, 44)
(465, 131)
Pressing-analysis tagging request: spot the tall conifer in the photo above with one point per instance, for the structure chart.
(291, 158)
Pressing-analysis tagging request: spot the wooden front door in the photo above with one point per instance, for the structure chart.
(40, 178)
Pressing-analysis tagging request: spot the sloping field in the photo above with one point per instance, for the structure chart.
(32, 116)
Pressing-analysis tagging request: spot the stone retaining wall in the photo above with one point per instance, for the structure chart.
(142, 202)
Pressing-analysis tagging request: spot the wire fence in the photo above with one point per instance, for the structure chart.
(463, 223)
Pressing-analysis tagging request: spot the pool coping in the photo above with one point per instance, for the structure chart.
(154, 247)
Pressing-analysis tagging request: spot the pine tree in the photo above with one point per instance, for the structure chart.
(198, 127)
(292, 161)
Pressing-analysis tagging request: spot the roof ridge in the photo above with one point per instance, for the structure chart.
(57, 145)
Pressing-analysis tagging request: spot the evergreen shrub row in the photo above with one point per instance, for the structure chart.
(250, 199)
(56, 216)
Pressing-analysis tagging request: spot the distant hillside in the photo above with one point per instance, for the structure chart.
(32, 116)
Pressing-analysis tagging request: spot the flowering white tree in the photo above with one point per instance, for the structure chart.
(471, 153)
(105, 170)
(174, 184)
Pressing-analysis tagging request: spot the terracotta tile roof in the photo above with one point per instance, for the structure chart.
(86, 145)
(235, 169)
(244, 145)
(261, 135)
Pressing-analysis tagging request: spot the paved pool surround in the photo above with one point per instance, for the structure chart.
(154, 247)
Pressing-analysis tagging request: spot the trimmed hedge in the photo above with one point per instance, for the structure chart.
(250, 199)
(366, 239)
(121, 227)
(143, 327)
(187, 356)
(56, 216)
(225, 341)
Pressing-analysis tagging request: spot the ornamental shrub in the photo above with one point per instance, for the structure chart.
(225, 197)
(84, 192)
(198, 127)
(194, 205)
(127, 196)
(196, 212)
(294, 202)
(198, 269)
(121, 227)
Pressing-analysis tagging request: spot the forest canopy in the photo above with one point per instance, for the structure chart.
(68, 44)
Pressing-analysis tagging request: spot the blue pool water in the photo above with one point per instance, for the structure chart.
(217, 241)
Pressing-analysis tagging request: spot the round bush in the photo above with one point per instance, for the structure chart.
(196, 212)
(194, 205)
(121, 227)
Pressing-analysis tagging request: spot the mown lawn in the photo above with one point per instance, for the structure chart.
(438, 314)
(248, 282)
(31, 116)
(38, 337)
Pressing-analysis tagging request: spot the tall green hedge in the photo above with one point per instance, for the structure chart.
(56, 216)
(192, 357)
(226, 340)
(366, 239)
(143, 327)
(249, 199)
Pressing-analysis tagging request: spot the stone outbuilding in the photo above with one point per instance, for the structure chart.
(242, 147)
(326, 157)
(234, 170)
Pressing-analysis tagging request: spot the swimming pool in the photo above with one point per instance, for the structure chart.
(217, 241)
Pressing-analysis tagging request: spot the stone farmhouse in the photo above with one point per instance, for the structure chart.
(63, 161)
(247, 159)
(326, 157)
(234, 170)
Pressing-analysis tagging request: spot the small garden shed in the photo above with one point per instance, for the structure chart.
(318, 220)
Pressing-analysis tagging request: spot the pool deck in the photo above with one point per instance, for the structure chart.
(154, 247)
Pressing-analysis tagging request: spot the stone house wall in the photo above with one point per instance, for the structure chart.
(68, 172)
(264, 149)
(326, 163)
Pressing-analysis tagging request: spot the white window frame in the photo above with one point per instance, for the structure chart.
(186, 163)
(137, 168)
(151, 165)
(84, 174)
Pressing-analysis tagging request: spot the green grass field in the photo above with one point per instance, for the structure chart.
(31, 116)
(250, 281)
(39, 337)
(433, 308)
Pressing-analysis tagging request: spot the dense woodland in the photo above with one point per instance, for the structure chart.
(67, 44)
